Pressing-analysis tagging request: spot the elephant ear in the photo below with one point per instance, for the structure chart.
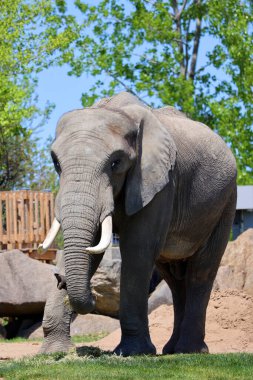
(156, 156)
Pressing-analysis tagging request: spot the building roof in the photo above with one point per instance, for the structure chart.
(244, 198)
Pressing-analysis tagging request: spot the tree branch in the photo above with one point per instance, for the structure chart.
(127, 88)
(187, 48)
(195, 46)
(150, 2)
(179, 13)
(177, 17)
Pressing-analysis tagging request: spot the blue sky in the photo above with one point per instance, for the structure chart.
(57, 87)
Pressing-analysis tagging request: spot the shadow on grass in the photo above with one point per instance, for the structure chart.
(93, 352)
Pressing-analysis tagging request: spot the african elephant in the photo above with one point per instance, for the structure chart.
(167, 186)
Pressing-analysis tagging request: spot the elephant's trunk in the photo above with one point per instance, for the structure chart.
(80, 224)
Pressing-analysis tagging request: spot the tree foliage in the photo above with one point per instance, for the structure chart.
(40, 171)
(33, 36)
(193, 54)
(152, 49)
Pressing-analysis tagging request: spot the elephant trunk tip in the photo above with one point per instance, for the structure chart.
(82, 306)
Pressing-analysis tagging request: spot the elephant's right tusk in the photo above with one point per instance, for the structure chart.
(50, 236)
(106, 236)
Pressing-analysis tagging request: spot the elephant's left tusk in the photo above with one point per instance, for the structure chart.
(106, 236)
(50, 236)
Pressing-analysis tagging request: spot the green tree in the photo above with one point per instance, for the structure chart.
(40, 171)
(33, 35)
(151, 48)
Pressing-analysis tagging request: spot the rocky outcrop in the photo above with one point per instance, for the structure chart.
(236, 269)
(25, 283)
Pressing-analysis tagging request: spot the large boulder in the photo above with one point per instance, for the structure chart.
(93, 324)
(89, 324)
(25, 284)
(236, 269)
(106, 287)
(160, 296)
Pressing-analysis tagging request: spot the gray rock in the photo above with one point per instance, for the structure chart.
(30, 330)
(93, 324)
(25, 283)
(236, 269)
(82, 325)
(160, 296)
(106, 287)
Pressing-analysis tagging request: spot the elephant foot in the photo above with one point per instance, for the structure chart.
(191, 348)
(185, 347)
(51, 346)
(133, 345)
(170, 346)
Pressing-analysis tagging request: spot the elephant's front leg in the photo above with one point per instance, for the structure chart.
(56, 323)
(135, 279)
(58, 313)
(142, 238)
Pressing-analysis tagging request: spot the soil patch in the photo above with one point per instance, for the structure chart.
(229, 325)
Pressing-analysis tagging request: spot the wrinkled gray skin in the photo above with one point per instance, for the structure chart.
(170, 185)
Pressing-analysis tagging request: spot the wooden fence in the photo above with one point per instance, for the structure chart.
(25, 218)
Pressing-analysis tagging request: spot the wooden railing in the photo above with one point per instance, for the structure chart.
(25, 218)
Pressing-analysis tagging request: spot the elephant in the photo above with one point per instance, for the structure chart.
(167, 186)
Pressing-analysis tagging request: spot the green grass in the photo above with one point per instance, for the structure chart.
(75, 339)
(88, 338)
(93, 364)
(20, 340)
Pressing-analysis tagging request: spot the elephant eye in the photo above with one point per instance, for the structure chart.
(115, 164)
(56, 163)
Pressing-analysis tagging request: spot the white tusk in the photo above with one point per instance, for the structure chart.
(50, 236)
(106, 236)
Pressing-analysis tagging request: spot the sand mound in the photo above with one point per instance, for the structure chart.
(229, 326)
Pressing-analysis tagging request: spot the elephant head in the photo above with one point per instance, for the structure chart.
(117, 148)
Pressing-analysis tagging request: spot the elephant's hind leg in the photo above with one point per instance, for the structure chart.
(191, 294)
(174, 274)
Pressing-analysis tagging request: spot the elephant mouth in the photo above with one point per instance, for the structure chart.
(105, 240)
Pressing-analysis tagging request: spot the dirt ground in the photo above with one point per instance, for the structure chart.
(229, 328)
